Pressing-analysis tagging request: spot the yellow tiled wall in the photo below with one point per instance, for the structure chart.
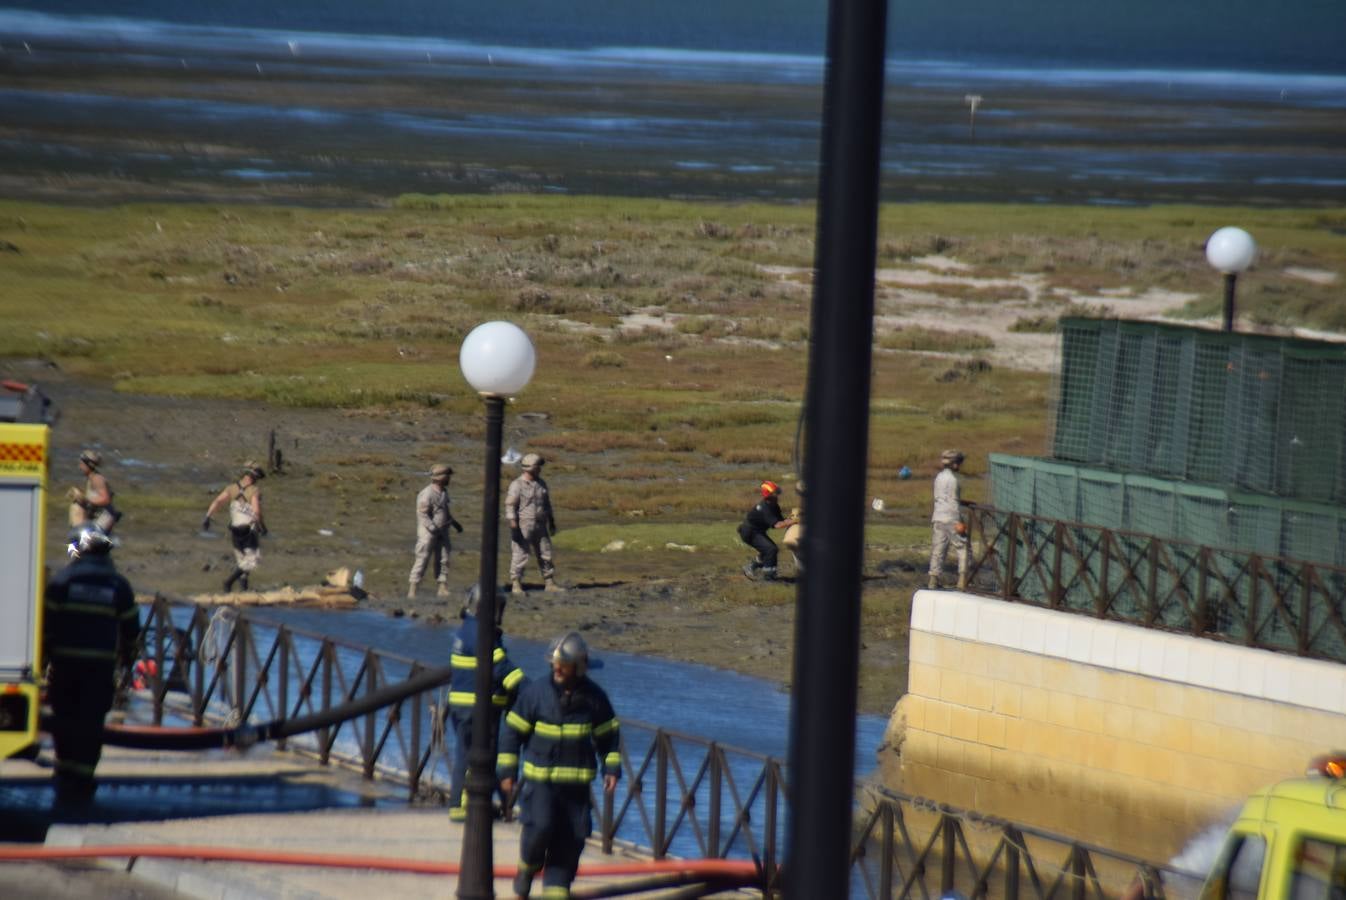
(1117, 757)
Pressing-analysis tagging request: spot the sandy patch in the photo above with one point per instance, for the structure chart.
(1316, 276)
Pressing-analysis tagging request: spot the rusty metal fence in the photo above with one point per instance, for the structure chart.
(1269, 602)
(680, 795)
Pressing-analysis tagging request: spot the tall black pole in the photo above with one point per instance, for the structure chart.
(827, 619)
(1229, 279)
(475, 880)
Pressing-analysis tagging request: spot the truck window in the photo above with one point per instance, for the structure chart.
(1320, 871)
(1238, 872)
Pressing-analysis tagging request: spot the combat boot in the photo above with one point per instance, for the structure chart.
(243, 581)
(750, 570)
(552, 586)
(934, 583)
(516, 587)
(769, 573)
(411, 589)
(442, 590)
(229, 582)
(962, 581)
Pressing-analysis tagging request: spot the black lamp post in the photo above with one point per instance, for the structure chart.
(497, 359)
(827, 619)
(1231, 251)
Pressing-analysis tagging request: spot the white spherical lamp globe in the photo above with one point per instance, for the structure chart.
(497, 359)
(1231, 250)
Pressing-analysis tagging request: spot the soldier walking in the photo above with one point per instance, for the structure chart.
(93, 504)
(531, 524)
(246, 525)
(433, 520)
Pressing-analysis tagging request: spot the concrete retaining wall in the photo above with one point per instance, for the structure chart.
(1099, 729)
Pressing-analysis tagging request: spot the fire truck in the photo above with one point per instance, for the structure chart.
(25, 430)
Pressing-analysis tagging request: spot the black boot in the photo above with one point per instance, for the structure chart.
(242, 581)
(235, 576)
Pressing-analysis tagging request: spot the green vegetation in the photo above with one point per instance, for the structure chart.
(666, 331)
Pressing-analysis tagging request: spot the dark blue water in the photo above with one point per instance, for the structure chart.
(693, 699)
(1291, 35)
(1080, 102)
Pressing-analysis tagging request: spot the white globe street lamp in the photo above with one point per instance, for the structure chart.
(1231, 251)
(497, 359)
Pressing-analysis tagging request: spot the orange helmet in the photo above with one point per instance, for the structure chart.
(769, 488)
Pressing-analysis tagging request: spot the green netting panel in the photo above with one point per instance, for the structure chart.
(1255, 524)
(1056, 491)
(1102, 497)
(1201, 515)
(1254, 412)
(1209, 379)
(1074, 389)
(1208, 515)
(1012, 482)
(1151, 507)
(1312, 425)
(1310, 533)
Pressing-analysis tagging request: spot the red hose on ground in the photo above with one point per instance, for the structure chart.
(691, 868)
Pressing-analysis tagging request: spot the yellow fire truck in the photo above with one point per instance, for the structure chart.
(25, 422)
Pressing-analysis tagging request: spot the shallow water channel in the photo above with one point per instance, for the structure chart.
(747, 717)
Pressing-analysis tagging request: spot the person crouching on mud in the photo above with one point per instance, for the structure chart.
(246, 525)
(763, 517)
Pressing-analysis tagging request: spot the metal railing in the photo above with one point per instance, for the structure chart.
(680, 795)
(1273, 603)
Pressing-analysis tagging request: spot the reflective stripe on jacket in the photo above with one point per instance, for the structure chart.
(90, 612)
(506, 677)
(564, 737)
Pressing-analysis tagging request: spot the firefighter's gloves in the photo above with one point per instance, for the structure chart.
(516, 534)
(205, 524)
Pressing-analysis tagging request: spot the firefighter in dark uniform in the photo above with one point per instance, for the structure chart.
(763, 517)
(567, 731)
(508, 678)
(90, 628)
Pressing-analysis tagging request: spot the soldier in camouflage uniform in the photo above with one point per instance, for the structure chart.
(531, 524)
(433, 520)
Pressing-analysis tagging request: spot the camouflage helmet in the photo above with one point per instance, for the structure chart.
(951, 457)
(531, 462)
(570, 648)
(440, 470)
(251, 468)
(91, 458)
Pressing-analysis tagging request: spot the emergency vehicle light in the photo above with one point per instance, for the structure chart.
(1331, 765)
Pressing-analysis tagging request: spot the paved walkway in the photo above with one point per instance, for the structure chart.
(259, 800)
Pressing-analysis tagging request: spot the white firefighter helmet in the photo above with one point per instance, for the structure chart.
(570, 648)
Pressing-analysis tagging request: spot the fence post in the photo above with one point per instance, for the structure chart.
(1077, 883)
(947, 825)
(660, 792)
(1253, 574)
(773, 788)
(324, 733)
(198, 636)
(371, 726)
(713, 826)
(1103, 601)
(1058, 591)
(1306, 579)
(609, 826)
(1013, 839)
(242, 634)
(886, 848)
(1203, 621)
(1152, 585)
(414, 763)
(1007, 585)
(158, 681)
(283, 691)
